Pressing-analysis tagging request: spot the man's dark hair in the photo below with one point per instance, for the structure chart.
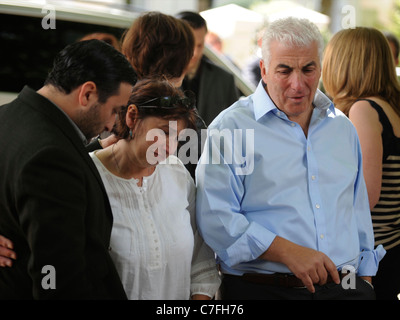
(91, 60)
(195, 20)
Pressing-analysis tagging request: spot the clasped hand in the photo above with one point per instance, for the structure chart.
(7, 255)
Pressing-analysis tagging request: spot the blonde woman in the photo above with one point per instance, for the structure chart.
(359, 74)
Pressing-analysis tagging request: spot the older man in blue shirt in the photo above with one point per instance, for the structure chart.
(282, 199)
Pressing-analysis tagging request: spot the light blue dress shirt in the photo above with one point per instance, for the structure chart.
(260, 176)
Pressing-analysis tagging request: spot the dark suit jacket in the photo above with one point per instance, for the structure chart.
(217, 91)
(53, 206)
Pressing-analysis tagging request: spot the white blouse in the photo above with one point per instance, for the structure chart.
(154, 243)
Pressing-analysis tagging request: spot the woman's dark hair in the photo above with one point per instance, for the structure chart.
(158, 45)
(91, 60)
(151, 89)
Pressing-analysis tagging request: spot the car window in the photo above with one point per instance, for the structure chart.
(27, 50)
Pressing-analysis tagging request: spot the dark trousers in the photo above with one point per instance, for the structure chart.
(387, 279)
(235, 288)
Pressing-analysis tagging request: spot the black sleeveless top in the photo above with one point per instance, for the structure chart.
(386, 213)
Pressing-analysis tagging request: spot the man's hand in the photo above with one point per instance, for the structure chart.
(310, 266)
(110, 140)
(7, 255)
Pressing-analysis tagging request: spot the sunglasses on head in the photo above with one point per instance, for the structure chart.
(188, 101)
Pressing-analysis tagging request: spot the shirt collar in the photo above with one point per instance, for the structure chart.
(78, 131)
(264, 104)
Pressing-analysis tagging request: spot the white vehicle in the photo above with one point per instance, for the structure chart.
(32, 32)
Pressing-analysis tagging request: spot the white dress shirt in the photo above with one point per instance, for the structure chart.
(154, 241)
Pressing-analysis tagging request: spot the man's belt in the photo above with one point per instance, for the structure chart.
(277, 279)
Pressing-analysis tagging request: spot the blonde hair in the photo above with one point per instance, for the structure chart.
(357, 64)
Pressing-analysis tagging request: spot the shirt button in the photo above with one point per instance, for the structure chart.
(321, 236)
(317, 206)
(293, 124)
(312, 177)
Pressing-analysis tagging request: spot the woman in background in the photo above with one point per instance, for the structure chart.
(359, 74)
(159, 46)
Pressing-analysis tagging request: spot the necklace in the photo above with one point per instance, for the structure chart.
(115, 159)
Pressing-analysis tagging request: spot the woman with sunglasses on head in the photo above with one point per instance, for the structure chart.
(159, 46)
(154, 242)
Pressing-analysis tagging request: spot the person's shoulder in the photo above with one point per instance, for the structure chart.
(216, 69)
(173, 170)
(322, 102)
(367, 107)
(233, 116)
(338, 116)
(174, 165)
(341, 124)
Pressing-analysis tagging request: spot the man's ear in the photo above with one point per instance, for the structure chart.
(263, 70)
(87, 94)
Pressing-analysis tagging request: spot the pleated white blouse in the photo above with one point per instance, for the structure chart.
(155, 245)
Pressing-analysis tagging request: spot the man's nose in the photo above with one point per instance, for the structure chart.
(297, 81)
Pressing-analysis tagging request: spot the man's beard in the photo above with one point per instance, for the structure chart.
(90, 122)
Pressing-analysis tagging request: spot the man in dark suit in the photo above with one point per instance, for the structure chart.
(214, 87)
(53, 205)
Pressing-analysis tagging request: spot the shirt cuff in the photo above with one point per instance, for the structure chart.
(369, 261)
(249, 246)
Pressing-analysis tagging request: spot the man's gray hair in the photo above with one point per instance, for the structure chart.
(291, 32)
